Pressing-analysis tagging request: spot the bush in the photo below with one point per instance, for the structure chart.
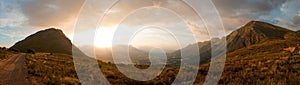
(3, 48)
(31, 51)
(13, 49)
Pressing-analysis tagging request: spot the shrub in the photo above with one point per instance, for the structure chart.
(13, 49)
(31, 51)
(3, 48)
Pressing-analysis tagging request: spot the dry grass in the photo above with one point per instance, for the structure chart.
(5, 54)
(265, 63)
(261, 64)
(44, 68)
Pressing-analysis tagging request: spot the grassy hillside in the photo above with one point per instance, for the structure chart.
(252, 33)
(256, 32)
(265, 63)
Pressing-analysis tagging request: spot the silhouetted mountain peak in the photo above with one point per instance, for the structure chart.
(49, 40)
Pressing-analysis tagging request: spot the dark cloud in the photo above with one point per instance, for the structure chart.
(246, 8)
(296, 20)
(238, 12)
(289, 15)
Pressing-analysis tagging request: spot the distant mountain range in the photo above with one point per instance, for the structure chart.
(136, 55)
(252, 34)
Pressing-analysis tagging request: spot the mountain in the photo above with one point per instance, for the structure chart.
(257, 32)
(204, 50)
(265, 62)
(254, 32)
(105, 54)
(298, 31)
(136, 55)
(50, 41)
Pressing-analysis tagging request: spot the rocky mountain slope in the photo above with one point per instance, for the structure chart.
(257, 32)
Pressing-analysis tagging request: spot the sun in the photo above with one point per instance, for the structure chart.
(104, 37)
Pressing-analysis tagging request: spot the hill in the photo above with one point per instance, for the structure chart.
(257, 32)
(49, 41)
(264, 63)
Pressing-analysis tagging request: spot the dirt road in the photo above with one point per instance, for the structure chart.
(12, 71)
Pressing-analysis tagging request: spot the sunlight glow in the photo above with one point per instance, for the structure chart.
(156, 4)
(104, 37)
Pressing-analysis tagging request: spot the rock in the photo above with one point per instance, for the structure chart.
(290, 49)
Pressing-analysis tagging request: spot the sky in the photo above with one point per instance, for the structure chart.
(162, 19)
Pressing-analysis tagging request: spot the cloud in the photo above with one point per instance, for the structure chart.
(153, 11)
(296, 20)
(51, 13)
(19, 17)
(199, 31)
(238, 12)
(63, 13)
(287, 15)
(10, 15)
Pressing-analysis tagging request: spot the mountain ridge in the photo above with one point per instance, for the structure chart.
(252, 33)
(256, 32)
(50, 40)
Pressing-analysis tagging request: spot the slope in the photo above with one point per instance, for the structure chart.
(50, 41)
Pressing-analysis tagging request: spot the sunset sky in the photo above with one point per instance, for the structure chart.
(20, 18)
